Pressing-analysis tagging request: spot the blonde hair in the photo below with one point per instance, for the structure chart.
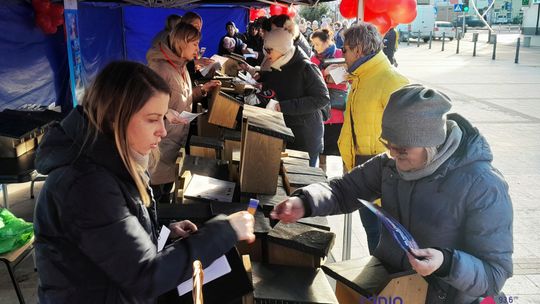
(120, 90)
(181, 35)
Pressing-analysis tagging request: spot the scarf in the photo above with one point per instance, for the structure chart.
(443, 154)
(283, 60)
(360, 61)
(142, 162)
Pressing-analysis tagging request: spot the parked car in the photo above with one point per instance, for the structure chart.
(472, 21)
(501, 19)
(444, 27)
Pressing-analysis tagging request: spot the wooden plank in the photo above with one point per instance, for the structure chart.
(203, 127)
(203, 152)
(296, 169)
(288, 284)
(410, 288)
(228, 147)
(260, 162)
(303, 238)
(282, 255)
(296, 154)
(223, 111)
(267, 122)
(206, 142)
(345, 294)
(295, 161)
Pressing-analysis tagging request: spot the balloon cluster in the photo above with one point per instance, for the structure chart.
(384, 14)
(282, 10)
(255, 13)
(49, 16)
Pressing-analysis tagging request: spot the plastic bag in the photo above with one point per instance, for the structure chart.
(14, 232)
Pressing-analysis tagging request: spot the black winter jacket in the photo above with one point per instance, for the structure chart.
(95, 240)
(300, 89)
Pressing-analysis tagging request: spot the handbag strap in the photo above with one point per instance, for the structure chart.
(352, 132)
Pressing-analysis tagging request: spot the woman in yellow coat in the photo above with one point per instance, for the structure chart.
(374, 79)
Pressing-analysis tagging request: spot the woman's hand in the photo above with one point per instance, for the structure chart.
(290, 210)
(204, 61)
(174, 118)
(242, 223)
(207, 87)
(425, 261)
(182, 229)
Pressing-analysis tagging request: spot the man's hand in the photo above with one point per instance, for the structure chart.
(426, 261)
(207, 87)
(288, 211)
(182, 229)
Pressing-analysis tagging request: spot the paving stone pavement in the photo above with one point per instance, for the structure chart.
(500, 97)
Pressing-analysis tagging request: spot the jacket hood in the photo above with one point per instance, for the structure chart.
(162, 52)
(67, 142)
(298, 55)
(472, 148)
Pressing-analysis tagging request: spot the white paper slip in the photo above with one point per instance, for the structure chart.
(218, 268)
(250, 55)
(205, 70)
(338, 73)
(163, 236)
(189, 116)
(272, 104)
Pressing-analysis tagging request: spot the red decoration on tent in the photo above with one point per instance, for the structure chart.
(402, 11)
(348, 8)
(48, 15)
(275, 10)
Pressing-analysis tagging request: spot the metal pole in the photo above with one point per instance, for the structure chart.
(457, 49)
(464, 23)
(347, 232)
(408, 37)
(475, 39)
(443, 36)
(537, 19)
(517, 50)
(430, 38)
(418, 40)
(489, 36)
(494, 46)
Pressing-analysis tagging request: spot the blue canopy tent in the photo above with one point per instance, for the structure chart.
(33, 66)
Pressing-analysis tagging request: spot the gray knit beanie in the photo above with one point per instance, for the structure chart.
(416, 117)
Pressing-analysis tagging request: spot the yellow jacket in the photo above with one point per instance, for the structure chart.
(372, 84)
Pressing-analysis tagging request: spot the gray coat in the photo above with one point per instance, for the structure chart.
(463, 206)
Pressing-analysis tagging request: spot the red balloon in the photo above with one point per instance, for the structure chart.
(382, 22)
(402, 11)
(285, 10)
(41, 6)
(56, 10)
(253, 14)
(377, 6)
(50, 29)
(348, 8)
(275, 10)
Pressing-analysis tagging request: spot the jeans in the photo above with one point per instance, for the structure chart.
(370, 221)
(314, 160)
(372, 226)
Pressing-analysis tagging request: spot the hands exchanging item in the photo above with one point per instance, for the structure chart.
(290, 210)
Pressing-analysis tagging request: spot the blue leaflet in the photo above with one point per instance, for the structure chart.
(400, 234)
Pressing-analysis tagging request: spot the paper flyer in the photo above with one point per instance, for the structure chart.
(218, 268)
(398, 232)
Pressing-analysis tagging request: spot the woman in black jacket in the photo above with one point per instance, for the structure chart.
(95, 220)
(299, 88)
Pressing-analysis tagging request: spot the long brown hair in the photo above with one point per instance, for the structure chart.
(120, 90)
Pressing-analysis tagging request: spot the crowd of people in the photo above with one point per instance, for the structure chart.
(95, 218)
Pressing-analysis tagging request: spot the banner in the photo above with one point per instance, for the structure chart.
(76, 71)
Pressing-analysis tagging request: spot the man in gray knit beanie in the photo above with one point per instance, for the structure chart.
(416, 117)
